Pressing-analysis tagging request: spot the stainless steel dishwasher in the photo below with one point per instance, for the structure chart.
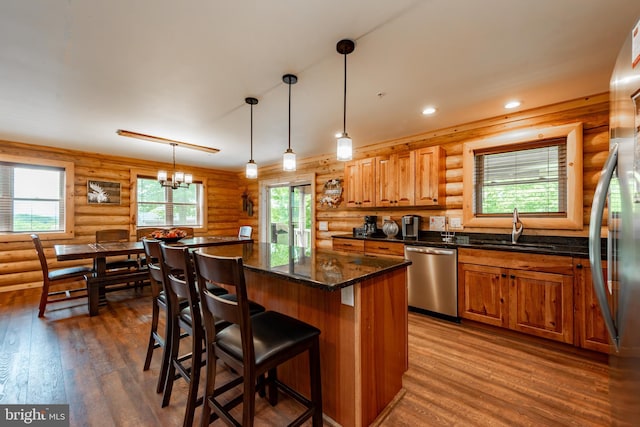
(433, 280)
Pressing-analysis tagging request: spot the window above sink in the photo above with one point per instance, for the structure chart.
(538, 171)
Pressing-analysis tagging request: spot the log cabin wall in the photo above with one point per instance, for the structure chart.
(592, 111)
(19, 266)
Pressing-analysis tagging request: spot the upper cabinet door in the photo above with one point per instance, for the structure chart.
(429, 186)
(404, 178)
(359, 182)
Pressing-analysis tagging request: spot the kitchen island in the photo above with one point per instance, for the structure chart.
(358, 302)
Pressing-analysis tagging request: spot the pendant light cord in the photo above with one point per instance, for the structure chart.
(344, 115)
(290, 115)
(174, 157)
(251, 133)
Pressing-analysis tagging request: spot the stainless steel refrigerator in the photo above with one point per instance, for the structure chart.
(617, 198)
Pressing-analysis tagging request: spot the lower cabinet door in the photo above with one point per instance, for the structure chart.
(483, 294)
(541, 304)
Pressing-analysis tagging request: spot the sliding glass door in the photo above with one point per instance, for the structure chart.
(290, 216)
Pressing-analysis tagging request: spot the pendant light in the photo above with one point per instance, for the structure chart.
(289, 157)
(252, 168)
(345, 150)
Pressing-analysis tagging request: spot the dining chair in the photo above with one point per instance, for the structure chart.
(252, 346)
(56, 277)
(245, 232)
(142, 232)
(114, 236)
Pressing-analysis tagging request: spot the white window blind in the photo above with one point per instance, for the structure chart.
(32, 198)
(531, 177)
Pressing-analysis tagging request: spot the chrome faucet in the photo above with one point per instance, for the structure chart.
(516, 232)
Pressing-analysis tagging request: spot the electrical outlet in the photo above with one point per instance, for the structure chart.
(455, 222)
(386, 218)
(323, 225)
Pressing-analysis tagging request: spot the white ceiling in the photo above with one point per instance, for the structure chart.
(72, 72)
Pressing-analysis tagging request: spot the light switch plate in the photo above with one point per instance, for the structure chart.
(323, 225)
(455, 222)
(437, 223)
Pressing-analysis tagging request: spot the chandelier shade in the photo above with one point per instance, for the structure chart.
(178, 179)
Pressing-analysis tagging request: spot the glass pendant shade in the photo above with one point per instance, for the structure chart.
(251, 170)
(162, 175)
(188, 178)
(345, 151)
(289, 161)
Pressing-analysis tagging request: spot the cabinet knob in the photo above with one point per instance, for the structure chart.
(512, 276)
(435, 200)
(579, 266)
(504, 275)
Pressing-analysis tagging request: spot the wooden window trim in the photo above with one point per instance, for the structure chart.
(133, 199)
(514, 140)
(69, 208)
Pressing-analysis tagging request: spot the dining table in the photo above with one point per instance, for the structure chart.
(99, 279)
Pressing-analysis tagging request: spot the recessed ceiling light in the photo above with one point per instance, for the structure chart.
(428, 111)
(512, 104)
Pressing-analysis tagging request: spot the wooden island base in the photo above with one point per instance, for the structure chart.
(364, 347)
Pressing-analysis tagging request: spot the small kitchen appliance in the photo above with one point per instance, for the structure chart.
(410, 226)
(370, 224)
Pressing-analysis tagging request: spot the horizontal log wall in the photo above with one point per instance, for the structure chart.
(592, 111)
(19, 266)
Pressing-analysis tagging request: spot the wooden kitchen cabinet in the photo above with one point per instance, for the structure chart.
(348, 245)
(541, 304)
(395, 180)
(359, 183)
(368, 247)
(380, 247)
(483, 294)
(590, 330)
(430, 176)
(525, 292)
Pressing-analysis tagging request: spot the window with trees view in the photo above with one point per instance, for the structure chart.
(32, 198)
(160, 206)
(532, 179)
(536, 170)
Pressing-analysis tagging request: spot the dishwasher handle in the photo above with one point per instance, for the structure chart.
(430, 251)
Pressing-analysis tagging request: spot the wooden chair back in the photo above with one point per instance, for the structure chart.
(229, 273)
(178, 276)
(142, 232)
(107, 236)
(152, 258)
(41, 257)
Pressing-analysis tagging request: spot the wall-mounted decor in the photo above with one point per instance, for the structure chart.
(247, 204)
(332, 193)
(103, 193)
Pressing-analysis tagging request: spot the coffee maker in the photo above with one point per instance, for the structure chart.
(370, 225)
(410, 227)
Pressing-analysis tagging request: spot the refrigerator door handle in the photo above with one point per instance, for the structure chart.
(595, 257)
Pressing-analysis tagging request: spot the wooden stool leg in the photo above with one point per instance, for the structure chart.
(194, 380)
(166, 355)
(155, 313)
(316, 382)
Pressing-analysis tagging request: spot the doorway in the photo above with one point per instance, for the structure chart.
(289, 214)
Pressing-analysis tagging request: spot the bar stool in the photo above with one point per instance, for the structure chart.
(58, 276)
(179, 282)
(159, 302)
(251, 346)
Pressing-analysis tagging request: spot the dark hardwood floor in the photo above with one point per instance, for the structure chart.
(464, 375)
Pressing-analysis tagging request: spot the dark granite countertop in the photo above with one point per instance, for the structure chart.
(577, 247)
(318, 268)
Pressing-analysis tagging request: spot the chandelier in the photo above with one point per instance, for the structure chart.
(178, 179)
